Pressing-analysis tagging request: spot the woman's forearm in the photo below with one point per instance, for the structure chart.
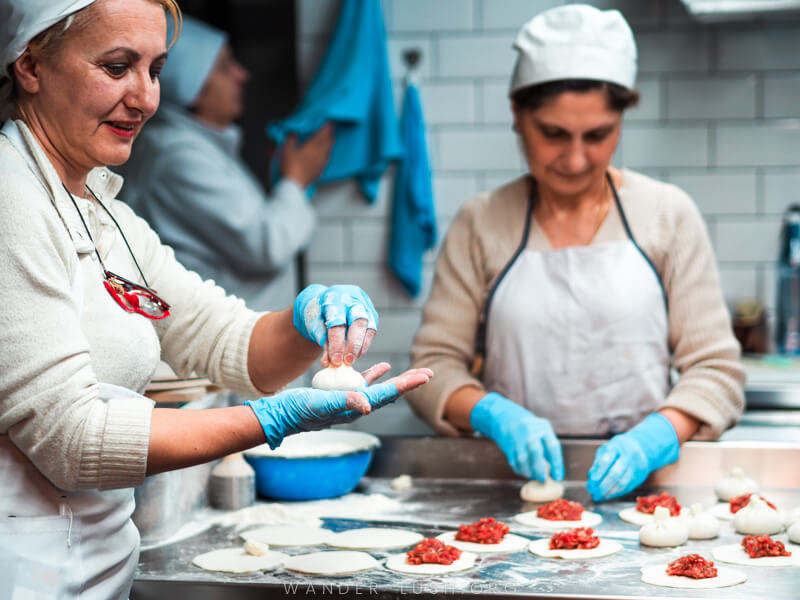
(184, 438)
(278, 353)
(459, 406)
(685, 426)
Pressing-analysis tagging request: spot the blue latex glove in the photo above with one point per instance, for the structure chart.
(528, 441)
(318, 308)
(625, 461)
(306, 409)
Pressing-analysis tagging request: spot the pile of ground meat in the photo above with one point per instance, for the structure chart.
(692, 565)
(757, 546)
(433, 551)
(647, 504)
(483, 531)
(560, 510)
(581, 538)
(739, 502)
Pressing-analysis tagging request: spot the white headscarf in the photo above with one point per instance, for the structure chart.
(20, 22)
(190, 61)
(575, 41)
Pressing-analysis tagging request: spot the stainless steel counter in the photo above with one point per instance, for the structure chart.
(459, 481)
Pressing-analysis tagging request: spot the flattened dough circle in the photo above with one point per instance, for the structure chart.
(530, 519)
(542, 548)
(331, 562)
(288, 535)
(735, 554)
(237, 560)
(657, 575)
(374, 538)
(397, 562)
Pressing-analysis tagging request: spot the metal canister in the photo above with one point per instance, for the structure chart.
(232, 484)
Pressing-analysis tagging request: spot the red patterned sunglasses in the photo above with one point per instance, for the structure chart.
(132, 297)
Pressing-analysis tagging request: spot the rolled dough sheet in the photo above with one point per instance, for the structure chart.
(509, 543)
(288, 535)
(657, 575)
(397, 562)
(237, 560)
(735, 554)
(633, 516)
(588, 519)
(374, 538)
(542, 548)
(331, 562)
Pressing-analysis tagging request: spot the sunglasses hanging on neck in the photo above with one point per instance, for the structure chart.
(132, 297)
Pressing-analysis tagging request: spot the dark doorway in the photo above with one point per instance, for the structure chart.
(262, 35)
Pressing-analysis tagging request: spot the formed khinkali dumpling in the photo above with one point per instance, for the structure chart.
(735, 484)
(664, 531)
(757, 518)
(794, 533)
(790, 517)
(344, 378)
(702, 525)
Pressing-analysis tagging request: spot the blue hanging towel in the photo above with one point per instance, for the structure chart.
(352, 88)
(413, 215)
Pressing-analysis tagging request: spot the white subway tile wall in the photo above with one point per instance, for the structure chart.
(719, 117)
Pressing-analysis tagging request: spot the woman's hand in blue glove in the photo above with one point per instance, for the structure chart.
(528, 441)
(625, 461)
(340, 318)
(305, 409)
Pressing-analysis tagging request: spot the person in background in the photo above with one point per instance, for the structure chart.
(186, 177)
(579, 285)
(83, 326)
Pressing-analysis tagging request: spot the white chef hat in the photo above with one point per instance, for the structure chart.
(190, 60)
(575, 41)
(23, 20)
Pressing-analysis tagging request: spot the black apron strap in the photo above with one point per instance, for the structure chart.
(480, 336)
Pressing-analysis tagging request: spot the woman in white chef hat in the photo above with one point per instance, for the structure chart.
(562, 299)
(83, 326)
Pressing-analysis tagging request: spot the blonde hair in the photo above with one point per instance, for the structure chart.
(49, 42)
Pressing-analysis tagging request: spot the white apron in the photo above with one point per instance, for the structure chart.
(56, 544)
(579, 336)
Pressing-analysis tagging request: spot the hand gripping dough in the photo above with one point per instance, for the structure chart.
(794, 533)
(735, 484)
(757, 518)
(663, 531)
(702, 525)
(344, 378)
(538, 491)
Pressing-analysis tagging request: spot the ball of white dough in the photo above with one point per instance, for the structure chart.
(541, 491)
(794, 533)
(735, 483)
(702, 525)
(344, 378)
(664, 531)
(757, 518)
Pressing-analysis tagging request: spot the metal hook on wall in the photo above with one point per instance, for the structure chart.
(412, 58)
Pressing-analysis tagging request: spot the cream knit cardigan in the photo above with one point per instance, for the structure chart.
(61, 334)
(667, 226)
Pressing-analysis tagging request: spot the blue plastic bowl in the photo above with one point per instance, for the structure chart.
(312, 465)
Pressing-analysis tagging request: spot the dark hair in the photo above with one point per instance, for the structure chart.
(534, 96)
